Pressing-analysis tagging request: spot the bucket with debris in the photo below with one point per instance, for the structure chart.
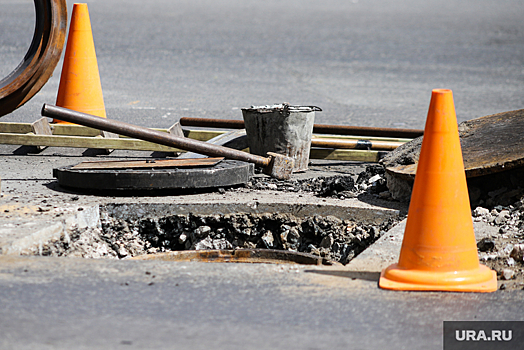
(282, 129)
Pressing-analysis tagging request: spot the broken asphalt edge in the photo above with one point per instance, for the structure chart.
(28, 238)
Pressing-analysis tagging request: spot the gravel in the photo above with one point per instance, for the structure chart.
(371, 180)
(504, 251)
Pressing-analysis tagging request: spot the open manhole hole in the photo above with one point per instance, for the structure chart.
(261, 256)
(299, 233)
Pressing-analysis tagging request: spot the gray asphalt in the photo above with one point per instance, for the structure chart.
(74, 304)
(366, 63)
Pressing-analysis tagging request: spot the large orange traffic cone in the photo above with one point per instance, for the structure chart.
(439, 252)
(80, 88)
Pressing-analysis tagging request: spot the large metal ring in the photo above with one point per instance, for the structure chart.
(40, 60)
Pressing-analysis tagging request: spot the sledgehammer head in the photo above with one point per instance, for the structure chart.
(280, 166)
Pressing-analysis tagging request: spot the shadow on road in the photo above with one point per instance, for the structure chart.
(354, 275)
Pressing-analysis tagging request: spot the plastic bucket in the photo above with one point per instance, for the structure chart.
(282, 129)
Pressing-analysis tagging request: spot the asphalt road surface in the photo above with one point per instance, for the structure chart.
(78, 304)
(365, 62)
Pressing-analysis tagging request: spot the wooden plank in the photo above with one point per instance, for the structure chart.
(73, 130)
(15, 128)
(346, 154)
(58, 129)
(41, 127)
(79, 130)
(203, 135)
(153, 163)
(82, 142)
(206, 135)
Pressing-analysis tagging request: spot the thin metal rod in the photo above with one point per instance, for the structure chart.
(317, 128)
(153, 136)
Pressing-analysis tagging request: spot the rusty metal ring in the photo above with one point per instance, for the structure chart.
(41, 58)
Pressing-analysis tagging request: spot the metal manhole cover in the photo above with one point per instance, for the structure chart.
(225, 173)
(489, 144)
(267, 256)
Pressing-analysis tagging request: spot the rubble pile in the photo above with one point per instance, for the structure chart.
(341, 185)
(504, 251)
(329, 237)
(372, 180)
(120, 242)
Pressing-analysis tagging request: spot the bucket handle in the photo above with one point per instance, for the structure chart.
(313, 108)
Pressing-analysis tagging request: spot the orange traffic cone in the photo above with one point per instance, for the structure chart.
(439, 252)
(80, 88)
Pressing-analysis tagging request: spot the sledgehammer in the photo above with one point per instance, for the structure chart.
(275, 165)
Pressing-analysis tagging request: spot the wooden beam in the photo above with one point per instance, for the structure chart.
(346, 154)
(82, 142)
(41, 127)
(15, 128)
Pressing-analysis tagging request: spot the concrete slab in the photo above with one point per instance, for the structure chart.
(27, 236)
(386, 250)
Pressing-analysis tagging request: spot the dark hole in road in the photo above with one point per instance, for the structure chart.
(131, 230)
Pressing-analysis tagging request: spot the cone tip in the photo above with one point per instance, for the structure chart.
(80, 5)
(441, 91)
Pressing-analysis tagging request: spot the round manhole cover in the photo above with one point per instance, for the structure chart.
(225, 173)
(271, 256)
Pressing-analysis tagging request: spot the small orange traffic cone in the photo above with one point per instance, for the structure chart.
(439, 251)
(80, 88)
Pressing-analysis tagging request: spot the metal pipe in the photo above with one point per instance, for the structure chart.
(317, 128)
(212, 123)
(154, 136)
(355, 144)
